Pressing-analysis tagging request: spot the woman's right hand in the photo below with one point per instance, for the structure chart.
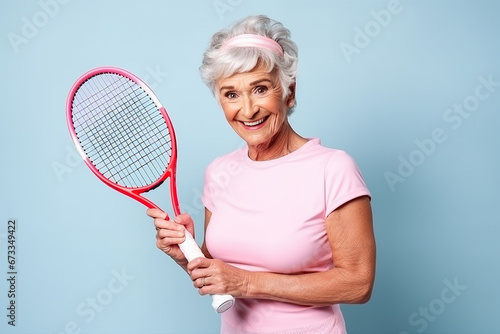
(169, 234)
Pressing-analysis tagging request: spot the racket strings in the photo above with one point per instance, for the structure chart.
(114, 143)
(127, 122)
(121, 130)
(113, 134)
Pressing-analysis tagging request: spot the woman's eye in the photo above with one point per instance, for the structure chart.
(231, 95)
(261, 89)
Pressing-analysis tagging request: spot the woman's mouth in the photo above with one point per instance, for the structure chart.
(255, 124)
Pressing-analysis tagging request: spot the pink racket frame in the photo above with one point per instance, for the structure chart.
(170, 171)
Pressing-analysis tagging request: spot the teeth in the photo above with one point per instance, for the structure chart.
(254, 123)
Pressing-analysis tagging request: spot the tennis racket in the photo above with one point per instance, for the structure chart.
(126, 138)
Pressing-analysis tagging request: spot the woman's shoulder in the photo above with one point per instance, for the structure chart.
(332, 160)
(316, 148)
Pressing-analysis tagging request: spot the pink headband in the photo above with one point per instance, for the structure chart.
(256, 41)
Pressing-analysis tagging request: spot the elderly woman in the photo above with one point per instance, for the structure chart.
(289, 231)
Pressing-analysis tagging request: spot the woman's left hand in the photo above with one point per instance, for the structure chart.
(212, 276)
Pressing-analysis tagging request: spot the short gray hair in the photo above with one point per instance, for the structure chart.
(221, 63)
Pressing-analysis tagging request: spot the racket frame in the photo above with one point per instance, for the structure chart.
(170, 170)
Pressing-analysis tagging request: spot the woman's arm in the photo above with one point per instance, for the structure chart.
(350, 232)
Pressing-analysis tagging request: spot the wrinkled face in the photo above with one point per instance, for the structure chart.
(253, 105)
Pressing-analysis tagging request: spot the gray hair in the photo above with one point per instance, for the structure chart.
(221, 63)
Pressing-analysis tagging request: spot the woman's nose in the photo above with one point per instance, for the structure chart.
(249, 108)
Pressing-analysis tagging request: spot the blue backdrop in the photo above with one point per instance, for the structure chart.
(411, 89)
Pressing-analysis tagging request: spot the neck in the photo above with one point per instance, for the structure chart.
(284, 142)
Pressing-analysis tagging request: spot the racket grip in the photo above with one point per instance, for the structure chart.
(191, 251)
(190, 248)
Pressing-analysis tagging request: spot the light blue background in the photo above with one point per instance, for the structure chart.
(439, 227)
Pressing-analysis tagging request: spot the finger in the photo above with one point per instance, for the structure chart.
(200, 282)
(168, 224)
(204, 286)
(167, 249)
(198, 268)
(156, 213)
(171, 236)
(167, 246)
(184, 219)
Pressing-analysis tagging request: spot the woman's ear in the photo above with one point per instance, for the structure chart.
(290, 100)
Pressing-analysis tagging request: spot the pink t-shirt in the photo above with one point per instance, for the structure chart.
(269, 216)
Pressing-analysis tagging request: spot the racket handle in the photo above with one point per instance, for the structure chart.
(191, 251)
(222, 303)
(190, 248)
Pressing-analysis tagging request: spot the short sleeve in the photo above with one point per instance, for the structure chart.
(343, 181)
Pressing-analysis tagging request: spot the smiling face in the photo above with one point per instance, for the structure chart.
(254, 107)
